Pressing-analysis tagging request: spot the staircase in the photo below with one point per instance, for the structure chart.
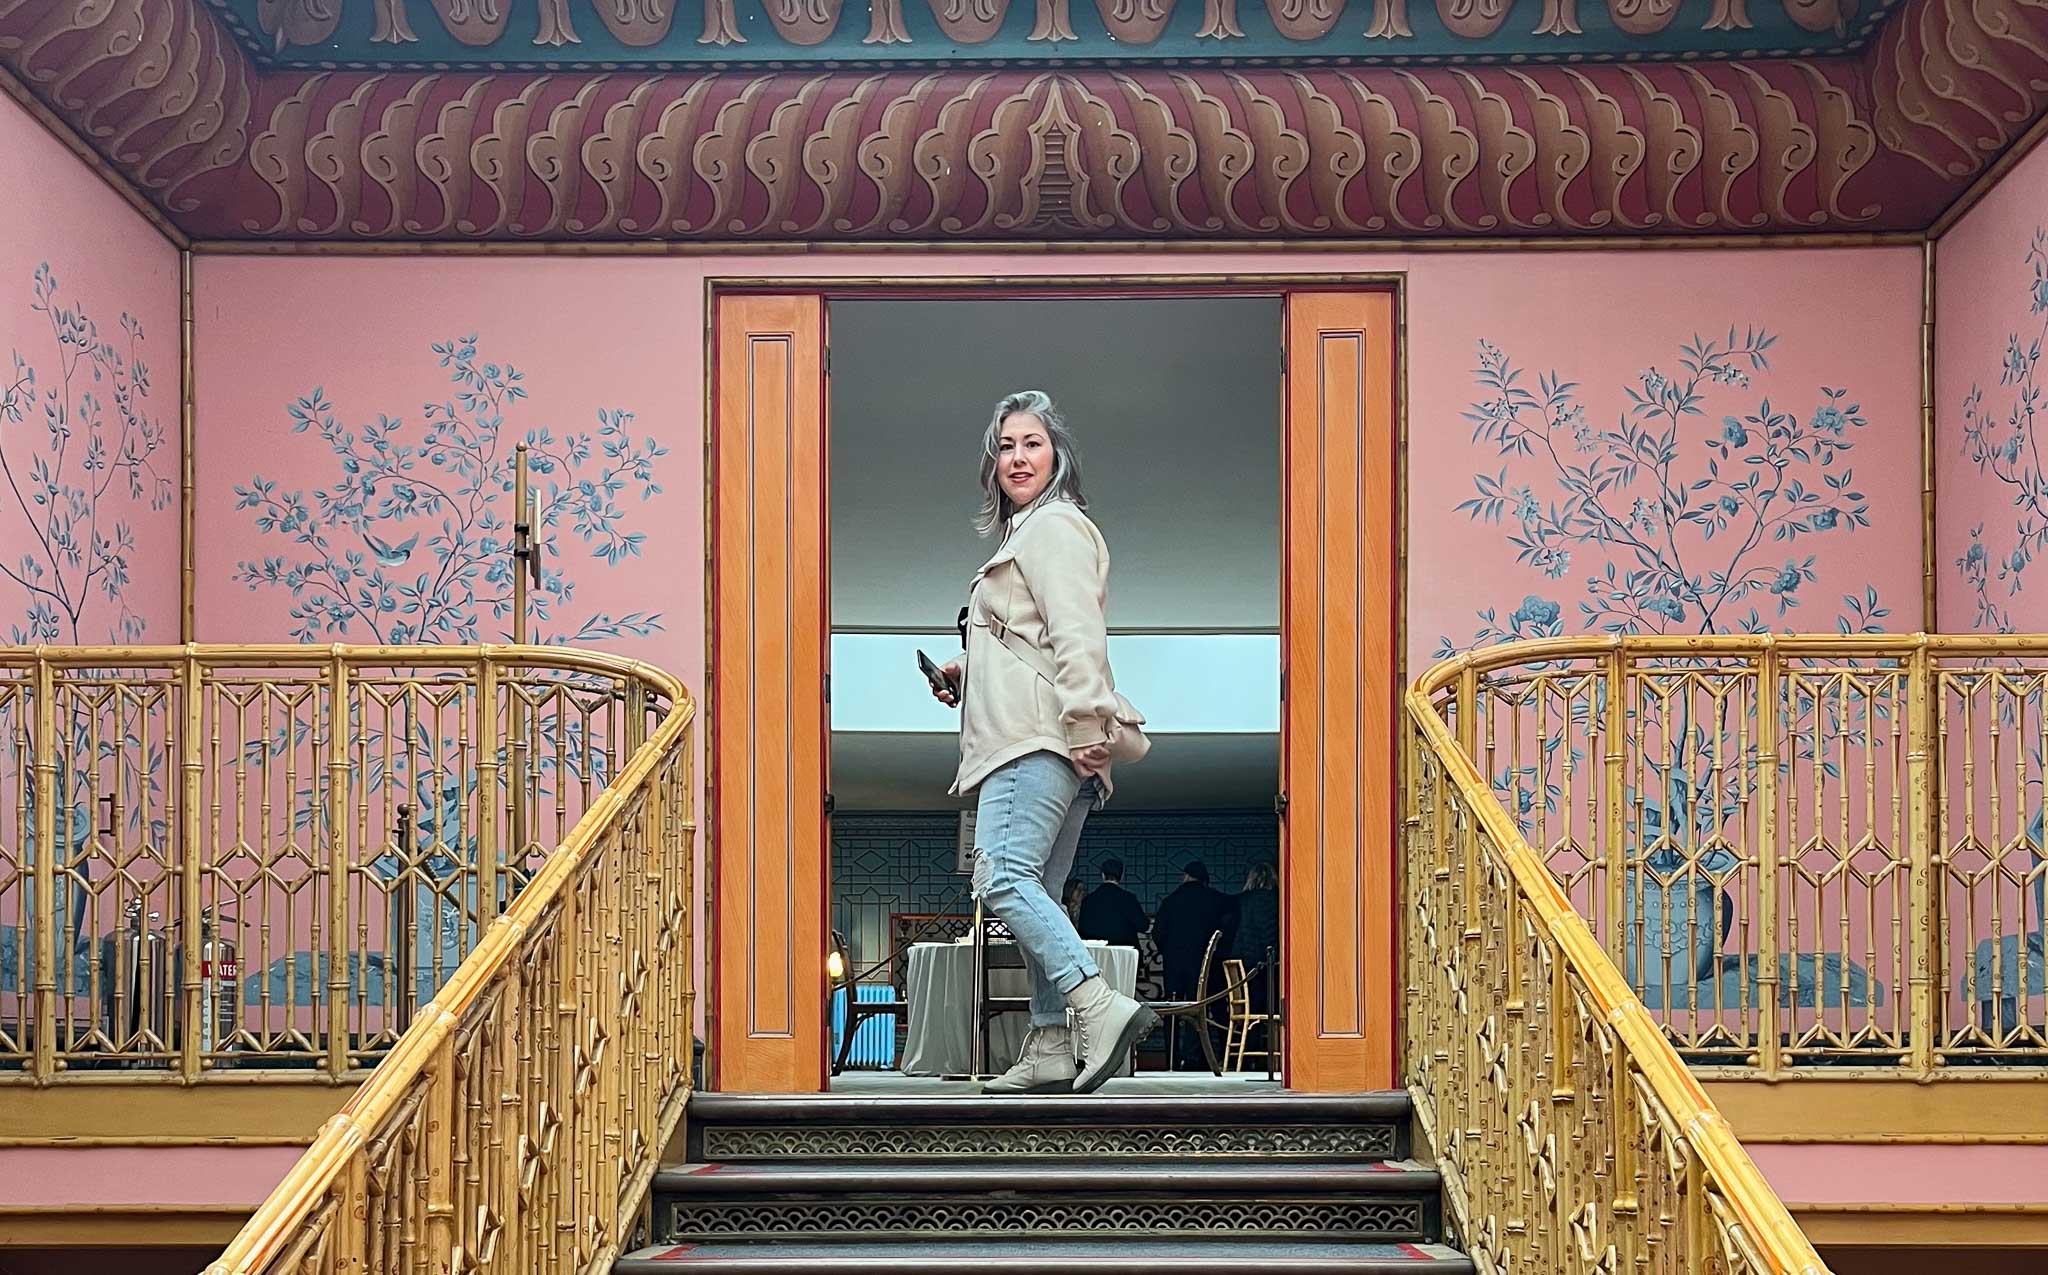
(1194, 1185)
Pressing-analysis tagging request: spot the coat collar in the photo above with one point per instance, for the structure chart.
(1007, 550)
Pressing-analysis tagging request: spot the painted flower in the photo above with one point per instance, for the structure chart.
(2040, 293)
(1729, 504)
(2012, 448)
(1828, 419)
(1653, 381)
(1786, 582)
(1733, 433)
(1975, 558)
(1667, 606)
(2015, 362)
(1643, 514)
(1824, 519)
(1534, 612)
(1554, 561)
(1527, 507)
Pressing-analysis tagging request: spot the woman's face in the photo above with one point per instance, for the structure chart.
(1023, 458)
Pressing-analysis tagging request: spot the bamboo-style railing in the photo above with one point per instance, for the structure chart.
(1570, 1133)
(518, 1122)
(333, 831)
(1821, 855)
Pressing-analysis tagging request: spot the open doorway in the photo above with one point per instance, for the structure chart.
(1179, 425)
(771, 706)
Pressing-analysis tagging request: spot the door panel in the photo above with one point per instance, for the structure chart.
(1341, 676)
(769, 727)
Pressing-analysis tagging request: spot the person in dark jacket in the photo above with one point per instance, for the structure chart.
(1112, 914)
(1186, 919)
(1258, 927)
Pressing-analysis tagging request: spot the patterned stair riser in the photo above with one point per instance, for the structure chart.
(738, 1143)
(1387, 1220)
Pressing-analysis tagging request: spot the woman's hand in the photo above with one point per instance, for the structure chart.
(1092, 759)
(952, 670)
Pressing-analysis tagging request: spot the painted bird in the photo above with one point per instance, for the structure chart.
(390, 555)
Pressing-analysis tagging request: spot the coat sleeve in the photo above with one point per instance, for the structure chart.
(1066, 566)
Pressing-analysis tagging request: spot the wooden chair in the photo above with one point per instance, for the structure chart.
(995, 948)
(1195, 1011)
(1238, 982)
(859, 1011)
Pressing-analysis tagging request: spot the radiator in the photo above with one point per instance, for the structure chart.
(874, 1045)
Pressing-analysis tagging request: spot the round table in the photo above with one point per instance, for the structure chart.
(939, 987)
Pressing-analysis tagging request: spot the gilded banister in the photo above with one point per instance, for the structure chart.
(1814, 856)
(1607, 1117)
(517, 1122)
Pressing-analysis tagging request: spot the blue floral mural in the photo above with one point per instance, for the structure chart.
(410, 542)
(2004, 445)
(1666, 521)
(77, 443)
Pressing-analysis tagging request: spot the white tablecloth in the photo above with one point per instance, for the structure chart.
(940, 989)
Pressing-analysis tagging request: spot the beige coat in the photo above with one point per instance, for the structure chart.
(1047, 585)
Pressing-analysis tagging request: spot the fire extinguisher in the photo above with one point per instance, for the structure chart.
(138, 996)
(220, 983)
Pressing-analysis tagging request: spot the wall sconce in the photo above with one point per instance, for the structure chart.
(835, 967)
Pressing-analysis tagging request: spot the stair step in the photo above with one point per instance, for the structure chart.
(732, 1128)
(797, 1177)
(1013, 1256)
(758, 1203)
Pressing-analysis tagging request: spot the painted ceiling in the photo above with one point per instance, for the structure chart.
(610, 35)
(606, 120)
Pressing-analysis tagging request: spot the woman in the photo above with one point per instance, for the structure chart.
(1072, 898)
(1035, 748)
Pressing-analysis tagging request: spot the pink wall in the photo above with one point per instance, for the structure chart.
(592, 335)
(89, 309)
(599, 335)
(1767, 403)
(1991, 318)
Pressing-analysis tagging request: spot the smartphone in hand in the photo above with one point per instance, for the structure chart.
(932, 673)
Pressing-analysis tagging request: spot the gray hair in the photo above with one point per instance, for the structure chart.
(1065, 483)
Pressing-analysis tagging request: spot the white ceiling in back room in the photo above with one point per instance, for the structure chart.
(1176, 406)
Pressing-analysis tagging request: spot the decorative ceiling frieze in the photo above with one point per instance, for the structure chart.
(605, 35)
(1881, 142)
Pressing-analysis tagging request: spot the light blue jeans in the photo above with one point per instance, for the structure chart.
(1026, 826)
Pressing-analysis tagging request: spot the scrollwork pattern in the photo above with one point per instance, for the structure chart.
(1774, 145)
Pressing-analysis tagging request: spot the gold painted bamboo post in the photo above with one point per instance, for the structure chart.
(340, 775)
(45, 1062)
(486, 805)
(192, 856)
(1627, 1119)
(1468, 832)
(1614, 835)
(1698, 1220)
(1770, 1056)
(438, 1155)
(1923, 886)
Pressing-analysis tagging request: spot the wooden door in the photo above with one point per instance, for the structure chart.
(1340, 673)
(768, 713)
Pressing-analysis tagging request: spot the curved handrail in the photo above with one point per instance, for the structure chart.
(331, 1168)
(1756, 1208)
